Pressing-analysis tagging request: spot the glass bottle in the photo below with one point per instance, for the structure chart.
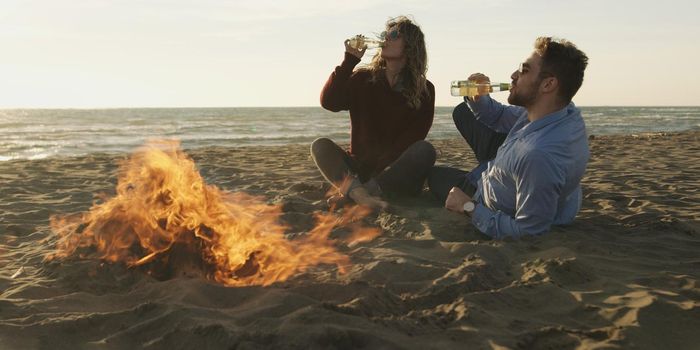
(359, 42)
(471, 88)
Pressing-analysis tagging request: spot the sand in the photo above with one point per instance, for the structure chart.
(624, 275)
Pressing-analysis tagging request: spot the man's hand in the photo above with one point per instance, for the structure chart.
(353, 51)
(479, 78)
(456, 199)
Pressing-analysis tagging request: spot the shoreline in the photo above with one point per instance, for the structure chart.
(439, 141)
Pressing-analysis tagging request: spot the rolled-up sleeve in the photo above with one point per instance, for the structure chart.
(495, 115)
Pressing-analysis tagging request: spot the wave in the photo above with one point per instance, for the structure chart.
(36, 134)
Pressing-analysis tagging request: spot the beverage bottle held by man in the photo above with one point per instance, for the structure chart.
(471, 88)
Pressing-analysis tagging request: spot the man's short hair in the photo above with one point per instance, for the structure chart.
(563, 60)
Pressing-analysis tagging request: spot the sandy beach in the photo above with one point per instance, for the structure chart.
(624, 275)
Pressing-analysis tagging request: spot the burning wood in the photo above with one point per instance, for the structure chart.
(164, 211)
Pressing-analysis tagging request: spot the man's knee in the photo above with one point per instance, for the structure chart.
(461, 112)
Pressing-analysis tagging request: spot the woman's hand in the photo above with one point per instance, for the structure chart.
(353, 51)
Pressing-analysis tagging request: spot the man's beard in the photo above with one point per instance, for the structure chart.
(516, 98)
(523, 100)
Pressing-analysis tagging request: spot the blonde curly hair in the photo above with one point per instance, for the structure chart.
(413, 74)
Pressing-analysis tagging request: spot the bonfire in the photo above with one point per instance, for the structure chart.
(164, 210)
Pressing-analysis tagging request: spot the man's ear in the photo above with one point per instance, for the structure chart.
(549, 84)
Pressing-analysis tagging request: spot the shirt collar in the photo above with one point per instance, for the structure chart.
(549, 119)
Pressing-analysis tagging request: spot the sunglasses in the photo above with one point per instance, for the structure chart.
(390, 35)
(523, 68)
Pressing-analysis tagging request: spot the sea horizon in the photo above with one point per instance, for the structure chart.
(37, 133)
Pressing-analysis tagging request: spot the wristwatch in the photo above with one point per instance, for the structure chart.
(469, 207)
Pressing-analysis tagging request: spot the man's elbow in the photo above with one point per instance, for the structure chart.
(519, 230)
(536, 229)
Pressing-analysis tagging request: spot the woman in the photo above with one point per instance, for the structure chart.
(391, 106)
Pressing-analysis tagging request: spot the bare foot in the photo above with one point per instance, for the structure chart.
(337, 201)
(362, 197)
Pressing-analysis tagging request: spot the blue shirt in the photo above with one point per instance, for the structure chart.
(534, 181)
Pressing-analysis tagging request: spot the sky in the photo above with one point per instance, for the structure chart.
(226, 53)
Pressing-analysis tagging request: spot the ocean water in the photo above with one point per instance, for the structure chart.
(42, 133)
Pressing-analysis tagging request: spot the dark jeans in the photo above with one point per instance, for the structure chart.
(483, 141)
(405, 176)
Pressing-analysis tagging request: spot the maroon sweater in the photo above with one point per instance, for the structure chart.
(383, 125)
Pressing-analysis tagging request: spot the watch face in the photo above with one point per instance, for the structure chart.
(469, 207)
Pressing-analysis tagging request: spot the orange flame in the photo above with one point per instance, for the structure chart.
(163, 203)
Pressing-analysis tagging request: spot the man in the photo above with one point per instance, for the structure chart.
(532, 154)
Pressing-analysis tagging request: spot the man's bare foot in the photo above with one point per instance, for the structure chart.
(362, 197)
